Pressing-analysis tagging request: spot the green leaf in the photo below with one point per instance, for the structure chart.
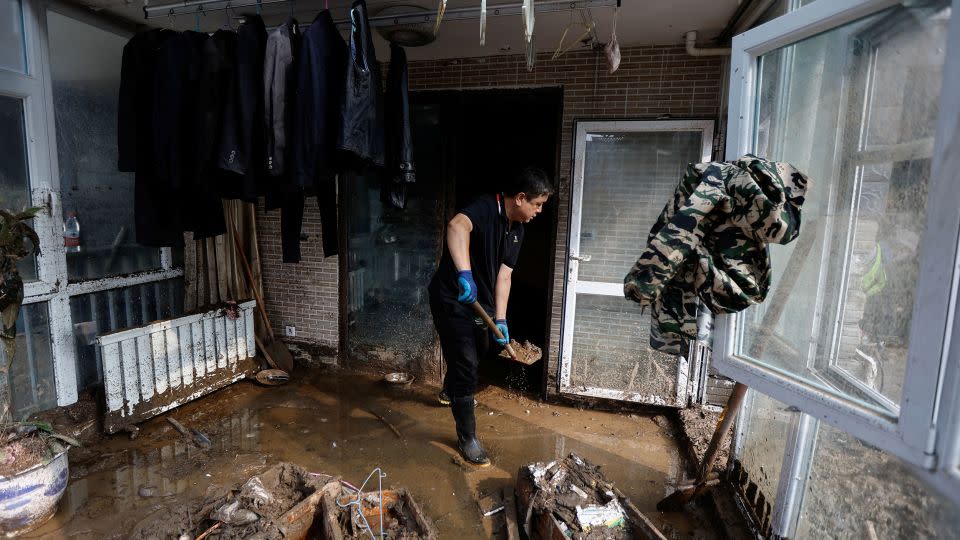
(42, 426)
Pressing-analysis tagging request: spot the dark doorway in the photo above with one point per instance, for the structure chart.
(465, 143)
(490, 135)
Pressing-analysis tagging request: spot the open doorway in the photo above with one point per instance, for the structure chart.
(465, 143)
(492, 134)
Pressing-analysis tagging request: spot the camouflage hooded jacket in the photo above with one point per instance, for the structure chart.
(709, 244)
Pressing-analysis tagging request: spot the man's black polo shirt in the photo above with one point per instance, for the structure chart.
(492, 242)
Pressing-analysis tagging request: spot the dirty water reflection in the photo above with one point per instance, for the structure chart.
(330, 424)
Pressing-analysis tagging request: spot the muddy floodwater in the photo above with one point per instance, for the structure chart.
(327, 422)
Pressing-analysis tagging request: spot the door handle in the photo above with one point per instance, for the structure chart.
(581, 258)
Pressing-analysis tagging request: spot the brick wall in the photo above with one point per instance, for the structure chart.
(652, 81)
(303, 295)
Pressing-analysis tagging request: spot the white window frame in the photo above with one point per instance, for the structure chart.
(912, 436)
(53, 285)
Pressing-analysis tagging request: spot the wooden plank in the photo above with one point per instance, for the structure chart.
(329, 512)
(510, 514)
(145, 363)
(112, 376)
(131, 375)
(172, 349)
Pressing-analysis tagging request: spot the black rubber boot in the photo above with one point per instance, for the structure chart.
(470, 447)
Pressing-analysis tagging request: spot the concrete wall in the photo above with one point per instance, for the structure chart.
(652, 81)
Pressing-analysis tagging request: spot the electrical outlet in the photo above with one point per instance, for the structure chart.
(290, 331)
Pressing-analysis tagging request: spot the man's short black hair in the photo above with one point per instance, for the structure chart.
(532, 181)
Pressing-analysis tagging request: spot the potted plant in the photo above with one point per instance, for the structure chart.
(33, 459)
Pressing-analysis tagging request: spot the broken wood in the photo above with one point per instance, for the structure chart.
(179, 427)
(510, 514)
(678, 499)
(386, 422)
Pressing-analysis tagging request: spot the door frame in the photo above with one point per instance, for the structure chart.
(572, 287)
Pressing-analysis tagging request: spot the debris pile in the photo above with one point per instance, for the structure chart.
(281, 503)
(571, 497)
(402, 518)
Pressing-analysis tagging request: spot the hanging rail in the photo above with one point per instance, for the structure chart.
(191, 7)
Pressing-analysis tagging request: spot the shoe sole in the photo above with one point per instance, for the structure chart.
(447, 402)
(474, 463)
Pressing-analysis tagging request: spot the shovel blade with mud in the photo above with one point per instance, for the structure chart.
(526, 354)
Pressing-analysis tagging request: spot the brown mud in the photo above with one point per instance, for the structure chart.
(320, 422)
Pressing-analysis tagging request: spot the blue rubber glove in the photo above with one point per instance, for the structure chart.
(502, 326)
(468, 287)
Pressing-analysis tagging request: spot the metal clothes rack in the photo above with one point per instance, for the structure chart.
(199, 7)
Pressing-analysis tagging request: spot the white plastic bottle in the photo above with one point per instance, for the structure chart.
(71, 233)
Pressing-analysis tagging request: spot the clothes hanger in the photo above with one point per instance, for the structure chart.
(259, 7)
(483, 22)
(441, 9)
(561, 50)
(198, 14)
(226, 16)
(528, 21)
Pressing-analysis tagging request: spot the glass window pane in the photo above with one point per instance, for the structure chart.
(32, 385)
(853, 488)
(768, 424)
(854, 108)
(85, 67)
(102, 312)
(627, 178)
(392, 255)
(13, 49)
(14, 169)
(611, 349)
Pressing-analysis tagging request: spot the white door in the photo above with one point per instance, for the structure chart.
(624, 174)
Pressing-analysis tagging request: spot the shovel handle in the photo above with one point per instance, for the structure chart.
(493, 327)
(250, 281)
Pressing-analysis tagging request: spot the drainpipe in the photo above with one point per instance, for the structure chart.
(693, 50)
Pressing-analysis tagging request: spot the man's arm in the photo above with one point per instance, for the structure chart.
(458, 241)
(502, 291)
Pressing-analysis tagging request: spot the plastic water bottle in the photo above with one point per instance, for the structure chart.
(71, 233)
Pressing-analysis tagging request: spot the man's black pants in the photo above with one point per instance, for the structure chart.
(464, 340)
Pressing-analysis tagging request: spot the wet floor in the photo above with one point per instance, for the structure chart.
(328, 424)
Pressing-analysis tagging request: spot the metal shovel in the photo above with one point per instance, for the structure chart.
(528, 355)
(276, 352)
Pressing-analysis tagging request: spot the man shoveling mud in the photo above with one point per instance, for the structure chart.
(483, 242)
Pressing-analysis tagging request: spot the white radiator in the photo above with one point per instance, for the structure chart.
(153, 368)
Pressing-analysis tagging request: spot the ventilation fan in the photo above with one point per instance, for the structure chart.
(406, 34)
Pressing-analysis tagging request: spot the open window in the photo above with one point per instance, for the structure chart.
(862, 96)
(59, 74)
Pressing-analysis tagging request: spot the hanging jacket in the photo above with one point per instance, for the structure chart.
(362, 113)
(321, 69)
(399, 141)
(157, 215)
(242, 137)
(710, 244)
(134, 112)
(279, 89)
